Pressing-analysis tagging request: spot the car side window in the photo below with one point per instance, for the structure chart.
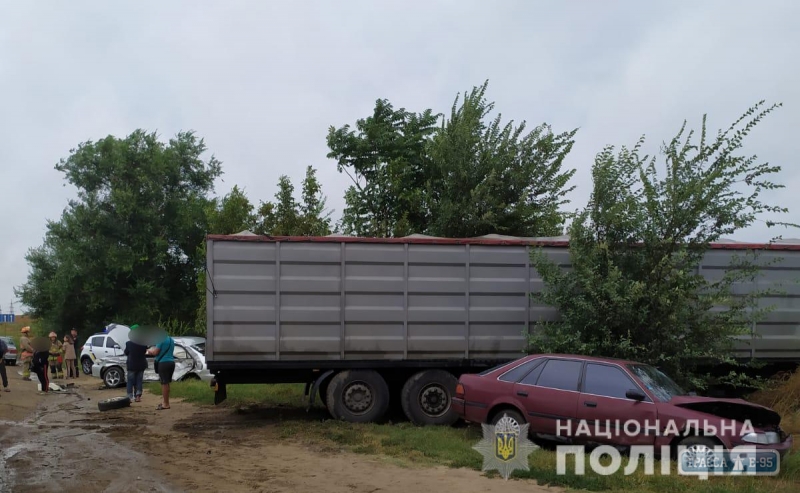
(530, 378)
(560, 374)
(110, 342)
(515, 374)
(607, 381)
(97, 341)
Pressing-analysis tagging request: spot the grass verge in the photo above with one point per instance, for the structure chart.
(408, 445)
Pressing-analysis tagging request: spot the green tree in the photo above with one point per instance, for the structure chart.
(635, 290)
(468, 177)
(388, 162)
(126, 249)
(232, 214)
(288, 217)
(491, 178)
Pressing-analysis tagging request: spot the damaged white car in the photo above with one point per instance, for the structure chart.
(190, 364)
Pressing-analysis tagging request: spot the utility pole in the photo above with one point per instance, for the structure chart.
(11, 308)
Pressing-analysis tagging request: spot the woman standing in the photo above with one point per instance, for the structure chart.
(70, 357)
(165, 367)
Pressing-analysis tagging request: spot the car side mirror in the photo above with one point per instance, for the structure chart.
(635, 394)
(116, 346)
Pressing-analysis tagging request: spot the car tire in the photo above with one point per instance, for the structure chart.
(86, 365)
(427, 398)
(511, 413)
(701, 444)
(114, 377)
(190, 377)
(113, 403)
(358, 396)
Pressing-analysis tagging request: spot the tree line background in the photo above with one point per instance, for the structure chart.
(130, 247)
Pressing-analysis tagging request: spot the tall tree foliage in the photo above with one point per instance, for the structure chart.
(492, 178)
(288, 217)
(469, 176)
(388, 163)
(635, 290)
(126, 249)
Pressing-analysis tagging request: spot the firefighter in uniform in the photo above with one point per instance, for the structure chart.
(56, 350)
(27, 352)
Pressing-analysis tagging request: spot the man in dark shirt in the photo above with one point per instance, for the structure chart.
(137, 364)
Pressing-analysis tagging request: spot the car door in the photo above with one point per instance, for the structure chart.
(550, 393)
(113, 348)
(612, 416)
(97, 346)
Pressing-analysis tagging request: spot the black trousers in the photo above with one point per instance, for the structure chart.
(3, 373)
(41, 372)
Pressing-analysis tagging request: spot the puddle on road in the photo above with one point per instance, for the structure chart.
(62, 448)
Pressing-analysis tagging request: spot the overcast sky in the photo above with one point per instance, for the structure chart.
(262, 81)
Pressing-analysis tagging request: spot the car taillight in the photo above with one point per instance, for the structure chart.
(460, 391)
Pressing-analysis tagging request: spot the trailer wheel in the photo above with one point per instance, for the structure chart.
(428, 398)
(358, 396)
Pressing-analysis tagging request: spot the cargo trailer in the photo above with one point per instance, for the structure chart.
(367, 323)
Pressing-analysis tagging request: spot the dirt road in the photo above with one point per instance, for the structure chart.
(62, 443)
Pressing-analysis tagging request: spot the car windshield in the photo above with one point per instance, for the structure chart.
(663, 387)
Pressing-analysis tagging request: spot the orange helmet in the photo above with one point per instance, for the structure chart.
(25, 329)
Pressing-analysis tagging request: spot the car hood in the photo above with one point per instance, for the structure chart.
(734, 409)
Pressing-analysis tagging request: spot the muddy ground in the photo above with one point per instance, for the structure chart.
(61, 443)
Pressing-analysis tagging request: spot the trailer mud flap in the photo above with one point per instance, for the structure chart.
(220, 391)
(313, 394)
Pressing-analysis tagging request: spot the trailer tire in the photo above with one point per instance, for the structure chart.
(427, 398)
(358, 396)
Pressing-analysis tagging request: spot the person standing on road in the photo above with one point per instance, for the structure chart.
(27, 352)
(3, 374)
(164, 366)
(56, 350)
(137, 364)
(69, 357)
(75, 344)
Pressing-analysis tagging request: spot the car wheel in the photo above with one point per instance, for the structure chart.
(699, 450)
(190, 376)
(358, 396)
(113, 403)
(86, 365)
(427, 398)
(114, 377)
(510, 417)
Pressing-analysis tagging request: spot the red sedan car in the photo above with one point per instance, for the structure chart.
(586, 400)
